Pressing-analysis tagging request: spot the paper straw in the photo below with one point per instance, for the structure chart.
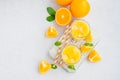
(66, 43)
(60, 47)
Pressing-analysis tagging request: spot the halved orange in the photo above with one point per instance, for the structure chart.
(94, 56)
(63, 16)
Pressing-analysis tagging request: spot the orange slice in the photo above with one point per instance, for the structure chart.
(94, 56)
(71, 54)
(64, 2)
(89, 37)
(44, 67)
(79, 29)
(63, 16)
(51, 32)
(85, 49)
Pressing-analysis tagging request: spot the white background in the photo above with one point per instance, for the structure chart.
(23, 44)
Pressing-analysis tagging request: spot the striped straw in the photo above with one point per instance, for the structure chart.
(66, 43)
(60, 47)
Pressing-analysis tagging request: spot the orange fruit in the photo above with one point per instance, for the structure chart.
(85, 49)
(44, 67)
(89, 37)
(94, 56)
(51, 32)
(80, 8)
(63, 16)
(64, 2)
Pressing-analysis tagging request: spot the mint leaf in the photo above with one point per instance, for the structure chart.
(50, 18)
(58, 43)
(91, 44)
(72, 67)
(86, 44)
(51, 11)
(53, 66)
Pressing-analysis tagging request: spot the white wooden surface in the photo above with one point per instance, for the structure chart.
(23, 44)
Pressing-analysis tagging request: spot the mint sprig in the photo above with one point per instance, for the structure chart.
(52, 13)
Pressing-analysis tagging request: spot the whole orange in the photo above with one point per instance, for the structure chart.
(64, 2)
(80, 8)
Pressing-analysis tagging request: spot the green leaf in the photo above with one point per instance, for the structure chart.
(86, 44)
(72, 67)
(50, 18)
(58, 43)
(53, 66)
(51, 11)
(91, 44)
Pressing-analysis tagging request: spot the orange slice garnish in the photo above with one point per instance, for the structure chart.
(71, 54)
(79, 29)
